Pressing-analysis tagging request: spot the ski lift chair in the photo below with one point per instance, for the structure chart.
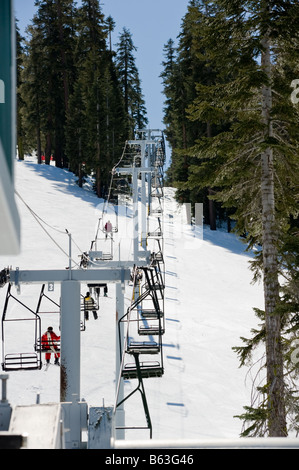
(31, 324)
(88, 306)
(47, 347)
(147, 369)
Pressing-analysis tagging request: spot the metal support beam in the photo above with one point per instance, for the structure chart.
(120, 412)
(70, 326)
(241, 443)
(143, 198)
(5, 408)
(70, 341)
(135, 214)
(60, 275)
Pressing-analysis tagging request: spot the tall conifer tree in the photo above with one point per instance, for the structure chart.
(33, 91)
(49, 68)
(186, 67)
(95, 125)
(20, 102)
(130, 83)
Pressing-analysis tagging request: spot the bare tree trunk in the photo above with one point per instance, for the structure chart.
(274, 357)
(48, 148)
(38, 144)
(212, 209)
(20, 148)
(63, 57)
(80, 182)
(98, 182)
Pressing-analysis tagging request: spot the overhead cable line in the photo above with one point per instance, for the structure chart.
(109, 191)
(40, 221)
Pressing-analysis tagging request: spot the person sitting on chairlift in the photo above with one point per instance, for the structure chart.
(108, 228)
(89, 305)
(49, 342)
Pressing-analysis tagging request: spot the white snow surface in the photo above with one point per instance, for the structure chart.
(209, 302)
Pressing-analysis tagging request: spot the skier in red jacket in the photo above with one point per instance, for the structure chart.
(108, 228)
(49, 342)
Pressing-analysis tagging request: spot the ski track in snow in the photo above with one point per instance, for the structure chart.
(209, 302)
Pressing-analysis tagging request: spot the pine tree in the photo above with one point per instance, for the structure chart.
(33, 92)
(95, 124)
(169, 90)
(20, 102)
(90, 49)
(110, 25)
(186, 67)
(74, 100)
(130, 83)
(50, 64)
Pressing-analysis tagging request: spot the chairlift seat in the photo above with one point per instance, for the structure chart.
(155, 234)
(95, 285)
(113, 200)
(95, 255)
(88, 306)
(40, 347)
(151, 330)
(148, 369)
(143, 347)
(156, 211)
(158, 256)
(106, 256)
(157, 184)
(21, 361)
(151, 313)
(155, 286)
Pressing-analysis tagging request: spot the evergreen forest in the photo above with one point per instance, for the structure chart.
(78, 99)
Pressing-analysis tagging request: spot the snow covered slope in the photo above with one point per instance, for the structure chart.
(208, 306)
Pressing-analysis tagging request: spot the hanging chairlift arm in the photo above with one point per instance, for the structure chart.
(21, 361)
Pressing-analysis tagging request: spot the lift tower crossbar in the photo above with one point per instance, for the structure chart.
(70, 313)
